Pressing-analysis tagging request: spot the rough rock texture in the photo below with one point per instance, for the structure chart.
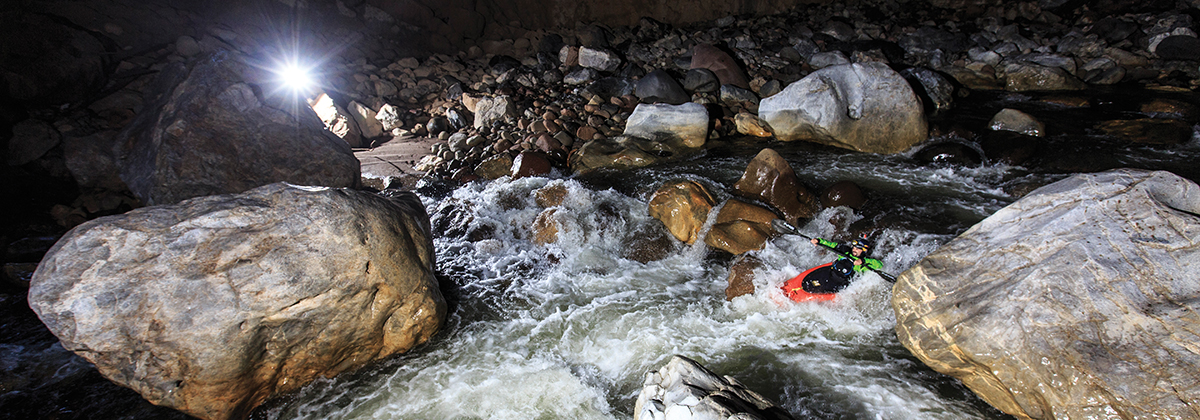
(683, 207)
(337, 120)
(741, 227)
(772, 180)
(684, 125)
(215, 304)
(741, 276)
(866, 107)
(1077, 301)
(210, 131)
(685, 390)
(31, 139)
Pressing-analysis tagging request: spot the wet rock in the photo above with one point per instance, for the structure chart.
(1179, 47)
(648, 243)
(701, 80)
(495, 167)
(1009, 147)
(147, 296)
(492, 110)
(741, 227)
(1082, 278)
(843, 193)
(934, 89)
(770, 179)
(1148, 130)
(949, 153)
(683, 207)
(210, 133)
(979, 77)
(530, 163)
(1025, 77)
(741, 276)
(866, 107)
(546, 227)
(552, 195)
(705, 56)
(31, 139)
(683, 389)
(337, 120)
(750, 125)
(1172, 108)
(658, 86)
(364, 117)
(1009, 119)
(684, 125)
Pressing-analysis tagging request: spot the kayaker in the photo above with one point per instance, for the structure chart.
(843, 270)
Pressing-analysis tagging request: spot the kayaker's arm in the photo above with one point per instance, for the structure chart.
(867, 264)
(828, 244)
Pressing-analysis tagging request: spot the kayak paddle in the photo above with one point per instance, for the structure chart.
(787, 228)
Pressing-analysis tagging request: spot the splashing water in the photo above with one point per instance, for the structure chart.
(569, 329)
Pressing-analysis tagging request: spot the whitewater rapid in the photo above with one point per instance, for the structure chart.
(568, 330)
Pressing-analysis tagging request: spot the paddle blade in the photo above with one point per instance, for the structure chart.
(784, 227)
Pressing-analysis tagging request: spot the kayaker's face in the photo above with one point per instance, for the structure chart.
(857, 252)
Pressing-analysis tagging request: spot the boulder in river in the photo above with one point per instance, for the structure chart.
(683, 207)
(866, 107)
(741, 227)
(210, 130)
(1077, 301)
(216, 304)
(683, 389)
(685, 125)
(770, 179)
(1009, 119)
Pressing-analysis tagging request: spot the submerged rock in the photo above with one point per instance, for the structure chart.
(741, 276)
(215, 304)
(683, 389)
(741, 227)
(1091, 280)
(683, 207)
(1009, 119)
(866, 107)
(770, 179)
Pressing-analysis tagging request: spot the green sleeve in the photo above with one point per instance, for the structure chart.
(868, 264)
(830, 244)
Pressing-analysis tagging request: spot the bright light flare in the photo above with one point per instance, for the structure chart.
(296, 78)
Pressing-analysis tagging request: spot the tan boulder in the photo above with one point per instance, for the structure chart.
(770, 179)
(683, 207)
(741, 227)
(545, 227)
(741, 276)
(215, 304)
(551, 195)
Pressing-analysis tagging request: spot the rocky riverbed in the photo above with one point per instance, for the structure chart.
(1047, 87)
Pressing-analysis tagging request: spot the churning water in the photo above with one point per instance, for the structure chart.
(568, 330)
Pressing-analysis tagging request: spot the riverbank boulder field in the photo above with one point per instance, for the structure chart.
(215, 304)
(1076, 301)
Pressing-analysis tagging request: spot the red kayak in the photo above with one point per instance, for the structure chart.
(792, 288)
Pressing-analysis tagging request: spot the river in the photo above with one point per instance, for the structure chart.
(568, 330)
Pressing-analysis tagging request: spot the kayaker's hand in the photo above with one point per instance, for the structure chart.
(858, 261)
(814, 241)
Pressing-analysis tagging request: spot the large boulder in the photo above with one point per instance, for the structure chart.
(653, 134)
(210, 130)
(770, 179)
(215, 304)
(683, 125)
(682, 206)
(337, 120)
(866, 107)
(723, 65)
(684, 390)
(1077, 301)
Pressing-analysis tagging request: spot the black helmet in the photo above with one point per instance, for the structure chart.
(863, 243)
